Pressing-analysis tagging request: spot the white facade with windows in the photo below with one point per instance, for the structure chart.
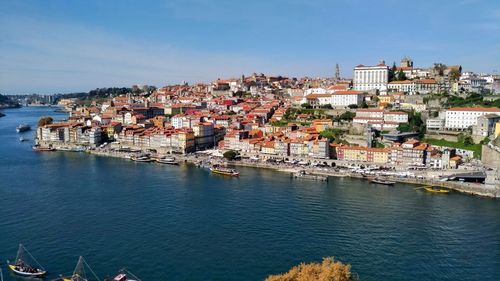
(464, 117)
(368, 78)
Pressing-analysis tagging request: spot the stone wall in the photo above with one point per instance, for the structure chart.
(490, 156)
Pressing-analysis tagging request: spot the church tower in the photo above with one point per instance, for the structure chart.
(337, 73)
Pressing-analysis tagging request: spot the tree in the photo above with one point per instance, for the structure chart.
(468, 140)
(306, 105)
(329, 269)
(454, 74)
(401, 75)
(230, 154)
(439, 68)
(45, 121)
(353, 106)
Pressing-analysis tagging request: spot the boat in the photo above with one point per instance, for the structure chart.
(41, 149)
(22, 267)
(436, 190)
(303, 175)
(143, 158)
(79, 274)
(21, 139)
(218, 169)
(167, 160)
(23, 128)
(381, 181)
(123, 275)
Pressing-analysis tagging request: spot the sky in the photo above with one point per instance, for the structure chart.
(59, 46)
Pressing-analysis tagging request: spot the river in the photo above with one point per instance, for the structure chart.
(183, 223)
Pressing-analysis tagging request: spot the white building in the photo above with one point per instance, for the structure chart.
(368, 78)
(464, 117)
(346, 98)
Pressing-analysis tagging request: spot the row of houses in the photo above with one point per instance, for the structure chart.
(410, 153)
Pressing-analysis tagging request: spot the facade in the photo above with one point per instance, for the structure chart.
(367, 78)
(464, 117)
(485, 126)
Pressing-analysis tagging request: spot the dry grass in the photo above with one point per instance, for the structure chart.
(328, 270)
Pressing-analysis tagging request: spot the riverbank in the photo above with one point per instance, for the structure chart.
(197, 159)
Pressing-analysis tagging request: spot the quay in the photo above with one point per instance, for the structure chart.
(318, 173)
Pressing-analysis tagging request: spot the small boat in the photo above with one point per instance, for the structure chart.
(21, 139)
(381, 181)
(123, 275)
(143, 158)
(23, 128)
(21, 267)
(41, 149)
(221, 170)
(167, 160)
(436, 190)
(79, 274)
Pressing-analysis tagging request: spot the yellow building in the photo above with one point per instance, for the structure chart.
(354, 153)
(497, 129)
(378, 155)
(322, 124)
(386, 99)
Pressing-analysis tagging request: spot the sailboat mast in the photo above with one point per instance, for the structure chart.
(19, 252)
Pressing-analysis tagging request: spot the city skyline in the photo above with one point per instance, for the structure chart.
(61, 47)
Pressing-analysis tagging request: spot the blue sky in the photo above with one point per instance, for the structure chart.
(66, 46)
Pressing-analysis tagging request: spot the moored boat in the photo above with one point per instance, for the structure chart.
(21, 139)
(41, 149)
(167, 160)
(22, 267)
(221, 170)
(23, 128)
(142, 158)
(436, 190)
(381, 181)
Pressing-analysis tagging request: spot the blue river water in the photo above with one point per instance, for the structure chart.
(183, 223)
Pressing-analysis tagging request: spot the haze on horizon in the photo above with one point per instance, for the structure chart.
(70, 46)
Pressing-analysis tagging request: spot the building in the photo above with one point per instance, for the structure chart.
(346, 98)
(460, 118)
(485, 126)
(435, 123)
(367, 78)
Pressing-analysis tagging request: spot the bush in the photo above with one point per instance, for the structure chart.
(329, 269)
(230, 154)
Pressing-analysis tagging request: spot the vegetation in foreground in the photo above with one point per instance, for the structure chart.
(328, 270)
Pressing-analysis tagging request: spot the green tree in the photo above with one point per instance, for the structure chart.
(230, 154)
(401, 75)
(468, 140)
(306, 105)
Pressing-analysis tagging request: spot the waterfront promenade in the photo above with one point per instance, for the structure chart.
(421, 178)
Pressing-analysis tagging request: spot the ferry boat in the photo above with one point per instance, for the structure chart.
(22, 268)
(436, 190)
(381, 181)
(218, 169)
(167, 160)
(23, 128)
